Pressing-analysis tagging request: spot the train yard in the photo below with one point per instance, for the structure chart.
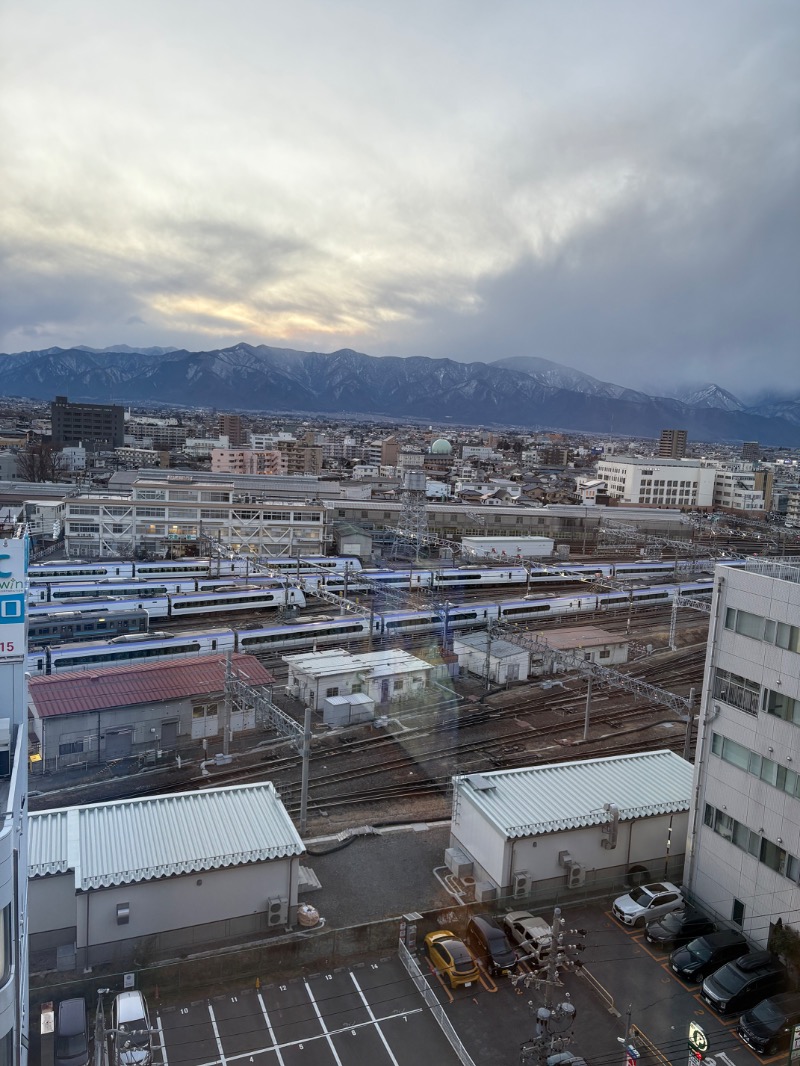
(401, 769)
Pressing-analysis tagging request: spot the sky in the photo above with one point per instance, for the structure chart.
(613, 186)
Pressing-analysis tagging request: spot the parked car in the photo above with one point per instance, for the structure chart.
(72, 1034)
(740, 984)
(677, 928)
(489, 944)
(451, 956)
(646, 902)
(530, 932)
(767, 1027)
(130, 1024)
(703, 956)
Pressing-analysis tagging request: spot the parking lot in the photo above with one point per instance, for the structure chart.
(372, 1013)
(349, 1017)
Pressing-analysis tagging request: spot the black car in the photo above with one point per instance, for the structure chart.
(767, 1028)
(677, 928)
(739, 984)
(702, 956)
(489, 944)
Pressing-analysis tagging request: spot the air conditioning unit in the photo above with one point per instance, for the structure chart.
(277, 910)
(521, 885)
(565, 859)
(576, 875)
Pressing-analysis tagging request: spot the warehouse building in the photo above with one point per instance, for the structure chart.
(535, 832)
(166, 874)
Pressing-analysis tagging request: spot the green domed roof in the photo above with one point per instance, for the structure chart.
(441, 447)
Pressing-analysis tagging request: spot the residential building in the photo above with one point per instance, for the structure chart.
(95, 424)
(672, 444)
(231, 426)
(743, 856)
(248, 461)
(751, 450)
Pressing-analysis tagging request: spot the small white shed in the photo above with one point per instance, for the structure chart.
(500, 660)
(348, 710)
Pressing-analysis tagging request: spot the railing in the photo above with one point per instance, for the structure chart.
(436, 1008)
(785, 569)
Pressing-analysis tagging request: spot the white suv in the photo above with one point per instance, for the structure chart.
(130, 1026)
(647, 902)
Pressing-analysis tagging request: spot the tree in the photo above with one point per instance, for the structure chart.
(39, 461)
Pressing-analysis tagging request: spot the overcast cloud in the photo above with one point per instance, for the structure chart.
(613, 186)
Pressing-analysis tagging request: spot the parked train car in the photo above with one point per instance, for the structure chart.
(306, 634)
(125, 650)
(233, 600)
(63, 627)
(387, 624)
(157, 569)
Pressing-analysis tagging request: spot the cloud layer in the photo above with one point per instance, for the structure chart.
(610, 186)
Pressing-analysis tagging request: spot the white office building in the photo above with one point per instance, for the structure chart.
(658, 482)
(744, 841)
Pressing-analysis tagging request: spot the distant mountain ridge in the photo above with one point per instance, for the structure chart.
(525, 391)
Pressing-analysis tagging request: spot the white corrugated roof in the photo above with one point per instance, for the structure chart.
(548, 799)
(140, 839)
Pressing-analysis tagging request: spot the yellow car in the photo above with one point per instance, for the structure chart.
(451, 957)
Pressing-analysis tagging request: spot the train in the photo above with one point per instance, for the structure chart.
(460, 578)
(157, 570)
(62, 627)
(121, 588)
(158, 604)
(312, 632)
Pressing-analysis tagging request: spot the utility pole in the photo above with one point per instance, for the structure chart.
(554, 1020)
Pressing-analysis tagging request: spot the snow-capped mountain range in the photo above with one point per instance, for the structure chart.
(521, 391)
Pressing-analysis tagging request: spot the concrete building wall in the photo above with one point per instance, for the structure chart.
(744, 853)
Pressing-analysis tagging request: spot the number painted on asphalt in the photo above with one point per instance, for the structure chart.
(184, 1010)
(282, 988)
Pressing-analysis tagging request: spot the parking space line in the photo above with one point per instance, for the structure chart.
(222, 1058)
(161, 1040)
(321, 1021)
(270, 1030)
(378, 1029)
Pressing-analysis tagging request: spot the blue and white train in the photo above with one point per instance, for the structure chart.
(390, 624)
(160, 569)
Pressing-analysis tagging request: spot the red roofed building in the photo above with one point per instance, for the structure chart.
(90, 717)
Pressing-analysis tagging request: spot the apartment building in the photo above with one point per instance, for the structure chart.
(744, 837)
(271, 463)
(672, 444)
(736, 489)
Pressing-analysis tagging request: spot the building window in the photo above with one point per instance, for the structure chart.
(71, 747)
(737, 691)
(333, 691)
(755, 844)
(781, 706)
(6, 944)
(737, 913)
(398, 685)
